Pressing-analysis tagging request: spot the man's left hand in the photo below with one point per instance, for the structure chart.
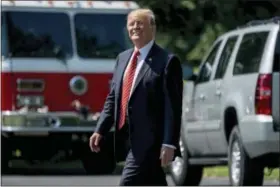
(166, 155)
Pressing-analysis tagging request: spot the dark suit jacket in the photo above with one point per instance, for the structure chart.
(155, 105)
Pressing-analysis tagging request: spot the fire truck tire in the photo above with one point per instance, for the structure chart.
(5, 158)
(101, 163)
(98, 163)
(5, 164)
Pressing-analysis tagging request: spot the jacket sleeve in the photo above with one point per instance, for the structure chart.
(106, 119)
(173, 88)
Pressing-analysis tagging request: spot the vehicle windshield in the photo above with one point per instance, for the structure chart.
(3, 37)
(101, 35)
(48, 34)
(38, 34)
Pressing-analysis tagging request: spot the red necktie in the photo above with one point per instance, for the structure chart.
(126, 87)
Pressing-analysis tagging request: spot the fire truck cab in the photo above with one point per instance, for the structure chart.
(57, 59)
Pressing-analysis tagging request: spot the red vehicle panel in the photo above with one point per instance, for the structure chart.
(57, 94)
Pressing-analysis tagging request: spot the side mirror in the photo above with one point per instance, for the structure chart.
(193, 77)
(187, 72)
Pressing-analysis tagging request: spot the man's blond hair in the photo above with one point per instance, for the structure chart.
(145, 12)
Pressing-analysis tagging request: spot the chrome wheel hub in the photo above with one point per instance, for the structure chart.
(178, 163)
(235, 164)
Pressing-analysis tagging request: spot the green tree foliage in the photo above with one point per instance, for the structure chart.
(188, 27)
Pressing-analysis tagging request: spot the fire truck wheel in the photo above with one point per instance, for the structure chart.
(5, 157)
(5, 164)
(99, 163)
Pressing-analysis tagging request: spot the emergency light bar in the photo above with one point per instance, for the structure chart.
(72, 4)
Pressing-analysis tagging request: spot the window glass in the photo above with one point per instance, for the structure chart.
(3, 36)
(250, 53)
(276, 61)
(207, 68)
(101, 35)
(39, 34)
(225, 56)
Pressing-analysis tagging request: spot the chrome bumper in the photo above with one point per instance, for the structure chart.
(13, 121)
(47, 129)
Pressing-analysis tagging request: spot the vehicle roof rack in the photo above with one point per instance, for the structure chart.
(275, 20)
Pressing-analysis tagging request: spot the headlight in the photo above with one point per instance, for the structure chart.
(23, 121)
(30, 100)
(15, 121)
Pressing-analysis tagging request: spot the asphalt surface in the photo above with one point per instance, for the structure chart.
(66, 175)
(90, 181)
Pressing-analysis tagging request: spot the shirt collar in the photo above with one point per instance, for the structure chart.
(145, 50)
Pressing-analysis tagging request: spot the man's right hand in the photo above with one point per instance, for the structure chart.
(94, 142)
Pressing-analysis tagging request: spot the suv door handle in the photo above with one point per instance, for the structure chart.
(202, 97)
(218, 93)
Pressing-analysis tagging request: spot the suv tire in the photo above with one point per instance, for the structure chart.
(243, 171)
(182, 173)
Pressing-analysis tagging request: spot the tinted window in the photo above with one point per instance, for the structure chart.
(101, 35)
(276, 61)
(207, 68)
(39, 34)
(225, 56)
(250, 53)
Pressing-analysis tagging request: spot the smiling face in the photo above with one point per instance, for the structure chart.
(140, 27)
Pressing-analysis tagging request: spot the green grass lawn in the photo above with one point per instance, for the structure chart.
(223, 172)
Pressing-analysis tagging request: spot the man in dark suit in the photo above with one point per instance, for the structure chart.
(144, 104)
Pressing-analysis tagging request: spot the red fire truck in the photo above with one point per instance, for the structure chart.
(56, 64)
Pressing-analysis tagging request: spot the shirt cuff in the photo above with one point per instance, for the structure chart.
(167, 145)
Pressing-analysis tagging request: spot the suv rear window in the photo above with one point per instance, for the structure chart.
(276, 61)
(38, 34)
(101, 35)
(250, 53)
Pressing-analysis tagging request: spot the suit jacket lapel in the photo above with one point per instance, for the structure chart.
(146, 65)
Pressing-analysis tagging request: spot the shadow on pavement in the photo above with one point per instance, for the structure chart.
(47, 169)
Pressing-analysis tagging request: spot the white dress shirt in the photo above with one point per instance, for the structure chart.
(141, 59)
